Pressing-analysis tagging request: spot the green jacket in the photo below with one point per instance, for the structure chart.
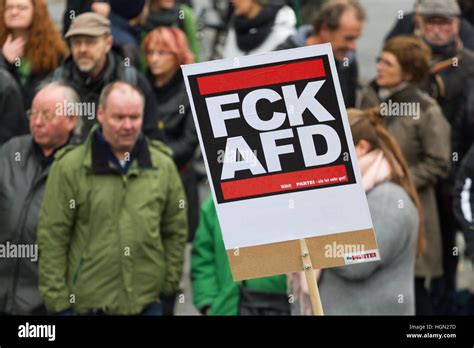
(211, 276)
(108, 240)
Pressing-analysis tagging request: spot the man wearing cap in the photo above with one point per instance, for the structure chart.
(408, 24)
(113, 222)
(451, 83)
(93, 64)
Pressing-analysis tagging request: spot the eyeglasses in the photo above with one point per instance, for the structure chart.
(47, 116)
(440, 22)
(159, 53)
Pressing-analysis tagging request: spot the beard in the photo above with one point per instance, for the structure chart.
(87, 66)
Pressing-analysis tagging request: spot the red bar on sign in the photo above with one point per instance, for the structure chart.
(256, 77)
(284, 182)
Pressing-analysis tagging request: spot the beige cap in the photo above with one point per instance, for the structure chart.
(90, 24)
(441, 8)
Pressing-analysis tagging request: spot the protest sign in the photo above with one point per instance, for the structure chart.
(280, 160)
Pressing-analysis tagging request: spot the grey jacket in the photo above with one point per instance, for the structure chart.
(384, 287)
(22, 181)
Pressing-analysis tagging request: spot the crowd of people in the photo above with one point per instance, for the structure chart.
(99, 154)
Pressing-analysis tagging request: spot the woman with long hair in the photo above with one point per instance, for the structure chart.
(384, 287)
(31, 45)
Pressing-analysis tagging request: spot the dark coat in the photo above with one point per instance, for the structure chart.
(31, 84)
(464, 199)
(453, 88)
(89, 90)
(22, 185)
(176, 121)
(12, 113)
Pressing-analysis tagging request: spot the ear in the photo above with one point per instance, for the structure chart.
(109, 40)
(71, 123)
(100, 114)
(324, 33)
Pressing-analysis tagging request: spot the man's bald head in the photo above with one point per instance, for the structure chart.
(120, 113)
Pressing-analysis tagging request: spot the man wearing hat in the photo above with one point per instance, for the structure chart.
(451, 83)
(93, 64)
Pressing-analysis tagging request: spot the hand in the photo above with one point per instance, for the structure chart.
(101, 8)
(13, 49)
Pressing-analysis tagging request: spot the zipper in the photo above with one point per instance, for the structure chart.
(28, 201)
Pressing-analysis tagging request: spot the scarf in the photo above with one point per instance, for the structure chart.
(386, 93)
(251, 33)
(374, 169)
(164, 17)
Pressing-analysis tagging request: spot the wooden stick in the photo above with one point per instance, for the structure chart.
(310, 279)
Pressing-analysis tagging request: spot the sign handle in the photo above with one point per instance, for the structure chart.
(310, 279)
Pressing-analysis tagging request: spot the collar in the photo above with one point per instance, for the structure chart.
(385, 93)
(102, 155)
(104, 75)
(46, 161)
(176, 81)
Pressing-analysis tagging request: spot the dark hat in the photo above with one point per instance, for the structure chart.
(90, 24)
(441, 8)
(127, 9)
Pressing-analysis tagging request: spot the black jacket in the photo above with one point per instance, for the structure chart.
(453, 89)
(74, 8)
(348, 75)
(12, 113)
(33, 81)
(464, 199)
(176, 120)
(22, 184)
(89, 90)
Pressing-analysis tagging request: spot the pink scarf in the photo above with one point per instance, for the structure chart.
(374, 169)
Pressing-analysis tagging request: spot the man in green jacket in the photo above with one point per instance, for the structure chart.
(113, 225)
(214, 290)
